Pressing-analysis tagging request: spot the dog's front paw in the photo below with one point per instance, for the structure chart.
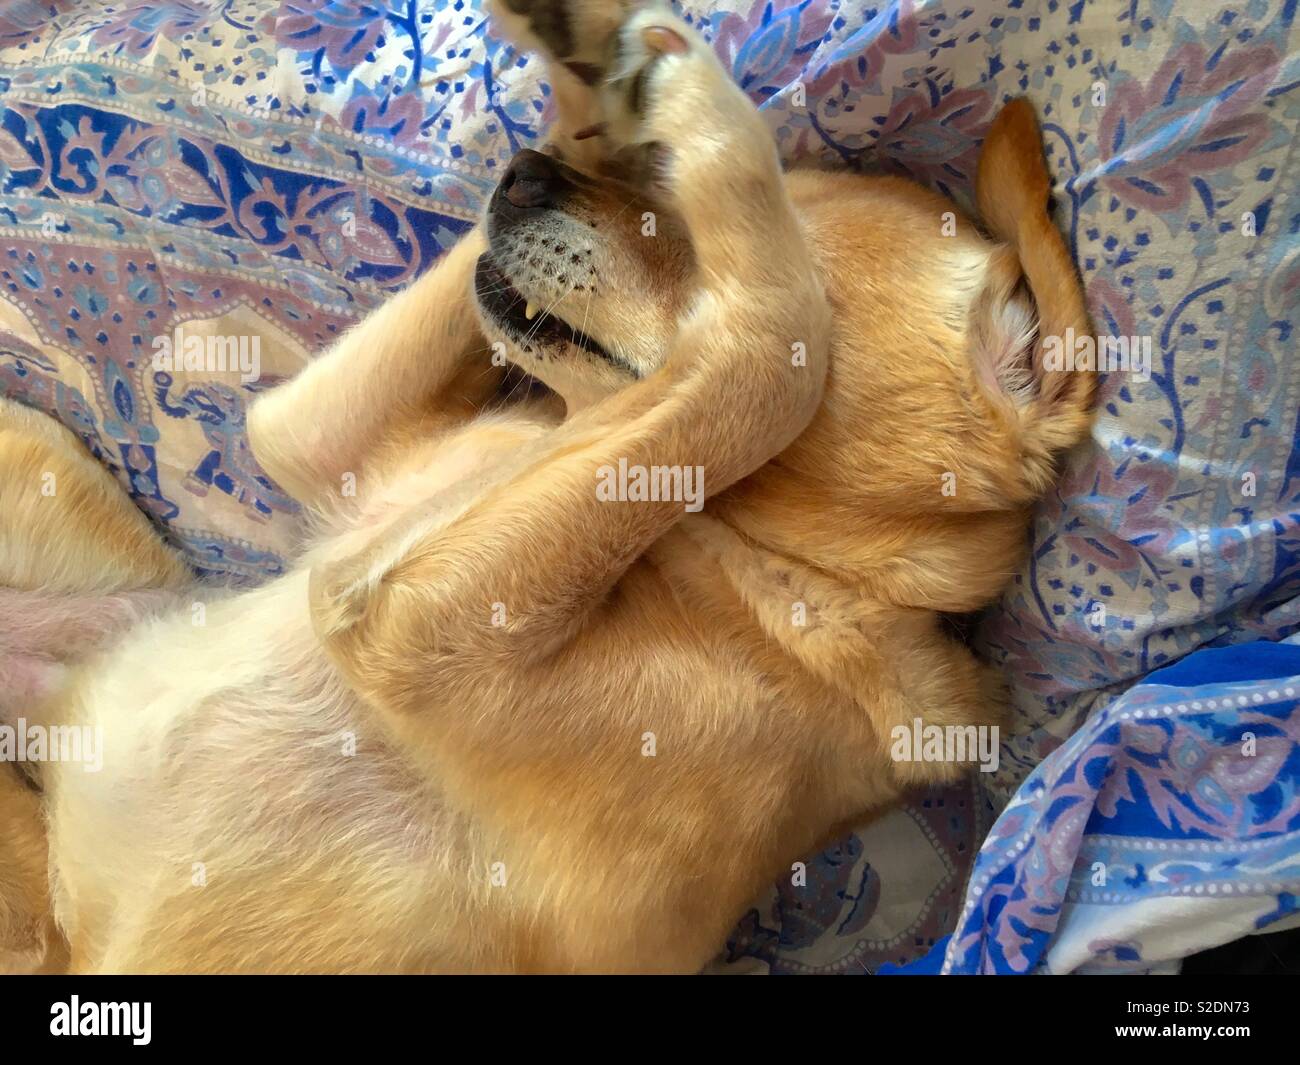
(665, 86)
(573, 34)
(575, 38)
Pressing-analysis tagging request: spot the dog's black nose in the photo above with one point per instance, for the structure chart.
(532, 180)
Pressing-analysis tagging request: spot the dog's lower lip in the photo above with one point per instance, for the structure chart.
(508, 307)
(495, 294)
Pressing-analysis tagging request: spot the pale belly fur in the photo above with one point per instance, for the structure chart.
(244, 786)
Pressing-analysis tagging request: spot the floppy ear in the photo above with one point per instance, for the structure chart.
(1032, 298)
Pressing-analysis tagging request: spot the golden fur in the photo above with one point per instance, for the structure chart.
(490, 722)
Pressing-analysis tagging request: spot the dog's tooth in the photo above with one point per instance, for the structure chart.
(530, 310)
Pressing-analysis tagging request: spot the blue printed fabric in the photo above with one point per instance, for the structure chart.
(273, 169)
(1170, 822)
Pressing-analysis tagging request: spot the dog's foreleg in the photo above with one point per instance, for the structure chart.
(314, 431)
(519, 575)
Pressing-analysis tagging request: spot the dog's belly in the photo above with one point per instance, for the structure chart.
(251, 812)
(241, 784)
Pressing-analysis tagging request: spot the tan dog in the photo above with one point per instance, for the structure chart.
(503, 713)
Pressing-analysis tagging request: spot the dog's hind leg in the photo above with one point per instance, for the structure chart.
(65, 523)
(78, 562)
(30, 942)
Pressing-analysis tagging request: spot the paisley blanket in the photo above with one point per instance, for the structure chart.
(258, 174)
(1167, 823)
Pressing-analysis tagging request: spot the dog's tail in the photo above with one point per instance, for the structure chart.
(1012, 193)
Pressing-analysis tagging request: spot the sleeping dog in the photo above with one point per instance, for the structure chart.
(520, 703)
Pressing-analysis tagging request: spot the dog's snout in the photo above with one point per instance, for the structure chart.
(532, 180)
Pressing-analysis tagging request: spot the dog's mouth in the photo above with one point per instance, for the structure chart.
(535, 330)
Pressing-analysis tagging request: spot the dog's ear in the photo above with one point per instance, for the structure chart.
(1004, 332)
(1033, 302)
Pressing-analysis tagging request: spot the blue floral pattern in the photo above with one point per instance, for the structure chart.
(1168, 823)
